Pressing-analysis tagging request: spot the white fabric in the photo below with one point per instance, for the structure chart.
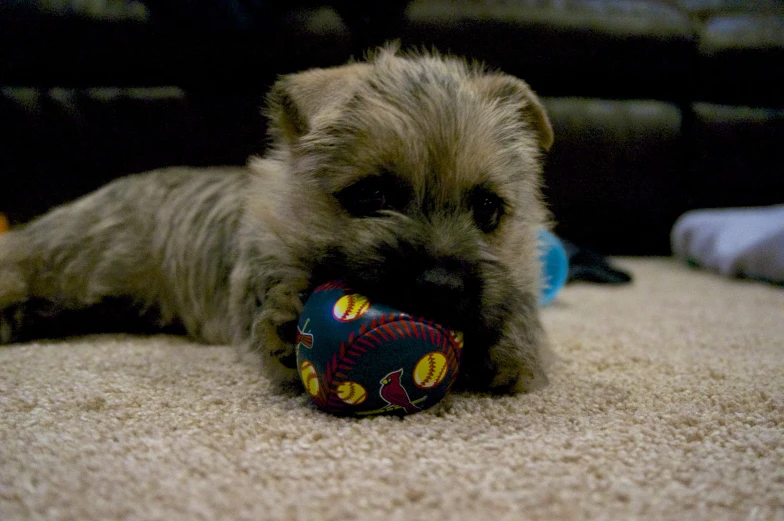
(745, 242)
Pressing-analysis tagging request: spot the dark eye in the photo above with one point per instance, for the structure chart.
(370, 196)
(488, 209)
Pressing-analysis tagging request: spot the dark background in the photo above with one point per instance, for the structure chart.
(659, 106)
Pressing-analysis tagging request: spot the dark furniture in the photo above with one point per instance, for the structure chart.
(658, 106)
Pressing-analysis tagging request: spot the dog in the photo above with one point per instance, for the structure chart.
(413, 178)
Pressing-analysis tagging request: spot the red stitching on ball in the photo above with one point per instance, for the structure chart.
(431, 363)
(404, 323)
(330, 286)
(363, 308)
(380, 332)
(414, 330)
(417, 332)
(398, 329)
(349, 306)
(390, 331)
(351, 393)
(367, 344)
(372, 335)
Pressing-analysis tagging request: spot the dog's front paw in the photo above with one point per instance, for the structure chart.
(521, 374)
(275, 332)
(507, 355)
(516, 361)
(512, 362)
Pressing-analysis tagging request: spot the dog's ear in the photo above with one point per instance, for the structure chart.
(297, 100)
(515, 92)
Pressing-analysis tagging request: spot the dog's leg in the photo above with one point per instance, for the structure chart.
(510, 357)
(161, 241)
(73, 258)
(272, 311)
(518, 359)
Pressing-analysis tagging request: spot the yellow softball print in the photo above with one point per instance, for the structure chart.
(350, 307)
(352, 393)
(430, 370)
(309, 377)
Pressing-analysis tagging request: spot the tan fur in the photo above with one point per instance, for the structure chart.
(232, 255)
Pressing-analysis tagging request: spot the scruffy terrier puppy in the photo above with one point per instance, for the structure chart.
(413, 178)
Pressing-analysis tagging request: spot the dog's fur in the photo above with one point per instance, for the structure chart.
(231, 253)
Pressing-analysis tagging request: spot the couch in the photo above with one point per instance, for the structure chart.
(659, 106)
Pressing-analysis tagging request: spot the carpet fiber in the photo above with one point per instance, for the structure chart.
(666, 402)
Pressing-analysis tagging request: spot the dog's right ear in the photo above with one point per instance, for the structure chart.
(297, 101)
(517, 94)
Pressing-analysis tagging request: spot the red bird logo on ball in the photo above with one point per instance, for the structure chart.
(393, 392)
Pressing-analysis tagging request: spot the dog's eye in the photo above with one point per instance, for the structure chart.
(488, 209)
(369, 196)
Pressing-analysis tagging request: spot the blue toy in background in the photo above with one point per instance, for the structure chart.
(555, 266)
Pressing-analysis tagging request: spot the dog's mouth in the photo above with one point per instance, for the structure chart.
(450, 309)
(450, 292)
(450, 296)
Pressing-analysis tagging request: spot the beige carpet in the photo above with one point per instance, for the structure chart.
(667, 403)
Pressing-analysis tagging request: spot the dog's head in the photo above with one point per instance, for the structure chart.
(415, 179)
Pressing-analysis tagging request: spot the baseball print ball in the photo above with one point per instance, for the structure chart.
(362, 358)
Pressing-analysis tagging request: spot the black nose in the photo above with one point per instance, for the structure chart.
(441, 282)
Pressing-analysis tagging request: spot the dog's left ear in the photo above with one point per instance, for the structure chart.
(513, 91)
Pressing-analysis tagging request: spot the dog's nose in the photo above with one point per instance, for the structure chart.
(446, 291)
(442, 282)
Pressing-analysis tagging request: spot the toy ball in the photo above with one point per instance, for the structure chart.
(361, 358)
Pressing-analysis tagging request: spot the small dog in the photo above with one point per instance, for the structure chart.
(415, 179)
